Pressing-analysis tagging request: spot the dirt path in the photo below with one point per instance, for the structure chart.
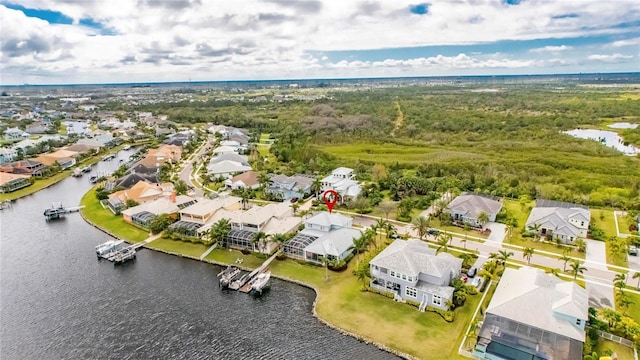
(399, 119)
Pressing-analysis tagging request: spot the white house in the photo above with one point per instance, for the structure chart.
(342, 180)
(534, 315)
(558, 220)
(226, 168)
(467, 207)
(15, 134)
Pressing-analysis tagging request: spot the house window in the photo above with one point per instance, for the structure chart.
(582, 223)
(392, 273)
(578, 322)
(410, 279)
(436, 300)
(404, 277)
(409, 291)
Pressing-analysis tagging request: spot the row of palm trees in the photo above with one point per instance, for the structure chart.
(219, 231)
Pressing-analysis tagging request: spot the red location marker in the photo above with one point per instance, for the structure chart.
(330, 198)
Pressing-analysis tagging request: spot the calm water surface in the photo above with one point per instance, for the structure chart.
(58, 302)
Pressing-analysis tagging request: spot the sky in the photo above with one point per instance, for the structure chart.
(121, 41)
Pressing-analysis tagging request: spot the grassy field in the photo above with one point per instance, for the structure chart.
(94, 212)
(519, 211)
(620, 260)
(435, 223)
(604, 219)
(179, 247)
(634, 308)
(392, 153)
(623, 223)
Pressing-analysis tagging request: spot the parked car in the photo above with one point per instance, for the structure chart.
(472, 272)
(633, 250)
(433, 232)
(477, 282)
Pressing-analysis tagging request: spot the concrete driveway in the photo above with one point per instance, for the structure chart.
(634, 262)
(596, 254)
(498, 232)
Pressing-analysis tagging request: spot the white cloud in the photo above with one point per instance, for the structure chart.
(629, 42)
(552, 49)
(265, 38)
(608, 58)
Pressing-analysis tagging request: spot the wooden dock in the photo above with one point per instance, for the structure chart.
(120, 256)
(243, 284)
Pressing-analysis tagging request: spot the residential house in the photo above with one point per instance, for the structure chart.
(131, 179)
(289, 187)
(64, 158)
(12, 182)
(559, 220)
(81, 148)
(271, 219)
(242, 159)
(27, 166)
(226, 169)
(39, 127)
(143, 214)
(534, 315)
(246, 180)
(194, 217)
(7, 154)
(141, 192)
(410, 270)
(224, 150)
(15, 134)
(325, 236)
(76, 127)
(155, 158)
(467, 207)
(342, 180)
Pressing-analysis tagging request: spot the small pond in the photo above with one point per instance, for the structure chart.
(623, 125)
(607, 138)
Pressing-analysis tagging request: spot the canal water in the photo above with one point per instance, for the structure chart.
(57, 301)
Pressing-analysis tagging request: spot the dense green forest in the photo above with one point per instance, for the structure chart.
(506, 142)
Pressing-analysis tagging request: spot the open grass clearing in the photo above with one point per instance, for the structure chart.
(603, 219)
(178, 247)
(94, 212)
(519, 210)
(543, 246)
(618, 260)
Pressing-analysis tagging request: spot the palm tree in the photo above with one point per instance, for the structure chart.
(610, 316)
(619, 281)
(580, 244)
(443, 242)
(623, 302)
(421, 225)
(503, 256)
(483, 218)
(360, 244)
(565, 258)
(577, 268)
(316, 186)
(361, 273)
(535, 228)
(467, 228)
(527, 253)
(555, 272)
(325, 261)
(244, 195)
(257, 238)
(220, 230)
(279, 239)
(637, 276)
(509, 230)
(264, 179)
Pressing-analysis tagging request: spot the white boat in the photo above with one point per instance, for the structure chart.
(109, 246)
(126, 147)
(261, 282)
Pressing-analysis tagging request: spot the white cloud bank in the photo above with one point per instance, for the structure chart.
(166, 40)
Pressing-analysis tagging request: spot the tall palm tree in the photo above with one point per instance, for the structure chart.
(623, 302)
(637, 276)
(503, 256)
(443, 242)
(535, 228)
(244, 195)
(555, 272)
(467, 228)
(421, 225)
(279, 239)
(257, 238)
(577, 268)
(509, 231)
(316, 186)
(483, 218)
(360, 244)
(565, 258)
(619, 281)
(264, 179)
(527, 253)
(219, 231)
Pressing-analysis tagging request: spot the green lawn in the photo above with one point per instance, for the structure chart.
(435, 223)
(623, 223)
(544, 246)
(227, 256)
(634, 309)
(94, 212)
(603, 219)
(38, 185)
(608, 347)
(178, 247)
(620, 260)
(519, 211)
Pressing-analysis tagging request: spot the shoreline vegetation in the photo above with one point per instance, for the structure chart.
(340, 301)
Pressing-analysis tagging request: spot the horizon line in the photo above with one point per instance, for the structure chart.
(325, 79)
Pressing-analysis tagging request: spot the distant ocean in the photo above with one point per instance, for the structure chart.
(598, 78)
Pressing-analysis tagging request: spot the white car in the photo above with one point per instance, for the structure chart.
(477, 281)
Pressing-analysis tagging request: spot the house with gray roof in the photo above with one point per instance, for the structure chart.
(15, 134)
(557, 220)
(467, 207)
(288, 187)
(534, 315)
(324, 235)
(410, 270)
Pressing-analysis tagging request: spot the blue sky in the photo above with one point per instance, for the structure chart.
(47, 41)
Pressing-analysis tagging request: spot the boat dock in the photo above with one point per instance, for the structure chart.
(119, 255)
(56, 211)
(243, 284)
